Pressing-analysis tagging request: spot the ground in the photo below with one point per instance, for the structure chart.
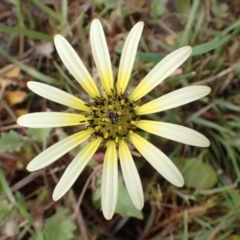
(208, 206)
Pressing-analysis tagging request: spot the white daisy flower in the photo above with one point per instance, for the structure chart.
(113, 117)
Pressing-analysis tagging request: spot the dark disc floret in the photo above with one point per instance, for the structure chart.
(113, 116)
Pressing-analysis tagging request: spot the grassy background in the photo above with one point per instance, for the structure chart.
(208, 206)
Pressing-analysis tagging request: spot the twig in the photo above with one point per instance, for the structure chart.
(13, 126)
(211, 79)
(25, 181)
(87, 184)
(80, 221)
(9, 110)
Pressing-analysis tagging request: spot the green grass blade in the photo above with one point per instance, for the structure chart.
(29, 70)
(26, 32)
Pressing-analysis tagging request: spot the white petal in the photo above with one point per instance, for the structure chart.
(57, 150)
(75, 168)
(51, 119)
(158, 160)
(174, 99)
(109, 181)
(101, 55)
(128, 57)
(130, 175)
(174, 132)
(56, 95)
(161, 71)
(75, 66)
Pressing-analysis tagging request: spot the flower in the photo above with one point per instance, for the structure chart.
(112, 118)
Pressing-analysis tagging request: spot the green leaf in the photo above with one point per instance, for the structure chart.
(151, 57)
(16, 202)
(26, 32)
(197, 50)
(96, 196)
(235, 237)
(52, 14)
(59, 226)
(125, 206)
(209, 46)
(157, 9)
(5, 210)
(29, 70)
(11, 142)
(37, 236)
(39, 134)
(214, 44)
(198, 174)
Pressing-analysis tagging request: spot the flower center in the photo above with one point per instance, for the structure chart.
(113, 117)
